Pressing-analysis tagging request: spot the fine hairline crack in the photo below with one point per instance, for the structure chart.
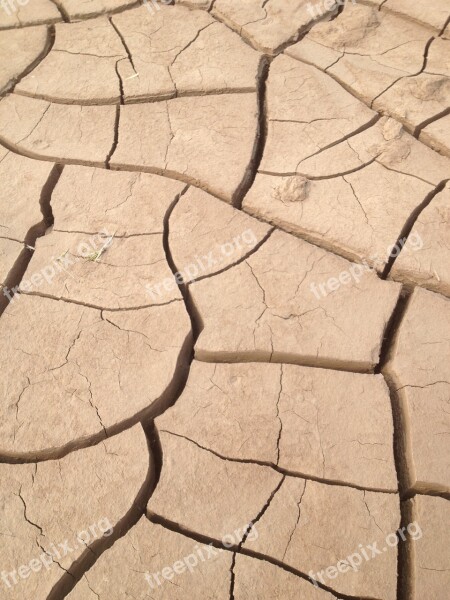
(258, 517)
(242, 259)
(179, 529)
(280, 470)
(98, 307)
(299, 514)
(283, 477)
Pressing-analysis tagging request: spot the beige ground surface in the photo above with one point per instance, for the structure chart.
(225, 318)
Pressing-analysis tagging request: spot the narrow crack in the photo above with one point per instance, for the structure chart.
(91, 399)
(404, 570)
(409, 225)
(329, 15)
(119, 77)
(167, 399)
(182, 177)
(350, 90)
(258, 517)
(301, 32)
(132, 331)
(334, 63)
(406, 560)
(144, 99)
(194, 39)
(20, 266)
(92, 553)
(446, 24)
(424, 65)
(242, 259)
(35, 125)
(116, 137)
(45, 51)
(423, 387)
(418, 130)
(281, 470)
(276, 357)
(403, 454)
(12, 147)
(117, 237)
(204, 539)
(232, 576)
(299, 514)
(124, 44)
(385, 8)
(321, 177)
(11, 239)
(129, 195)
(394, 170)
(95, 306)
(196, 322)
(261, 134)
(172, 135)
(392, 329)
(373, 121)
(88, 54)
(89, 586)
(146, 416)
(357, 199)
(234, 27)
(403, 457)
(176, 175)
(46, 196)
(62, 11)
(324, 244)
(370, 514)
(278, 415)
(38, 527)
(259, 20)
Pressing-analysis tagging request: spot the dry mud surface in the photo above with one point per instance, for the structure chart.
(225, 318)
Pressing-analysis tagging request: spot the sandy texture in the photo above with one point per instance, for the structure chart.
(419, 368)
(224, 314)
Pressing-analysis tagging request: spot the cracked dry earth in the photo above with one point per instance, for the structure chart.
(225, 319)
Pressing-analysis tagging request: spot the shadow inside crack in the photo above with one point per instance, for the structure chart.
(93, 552)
